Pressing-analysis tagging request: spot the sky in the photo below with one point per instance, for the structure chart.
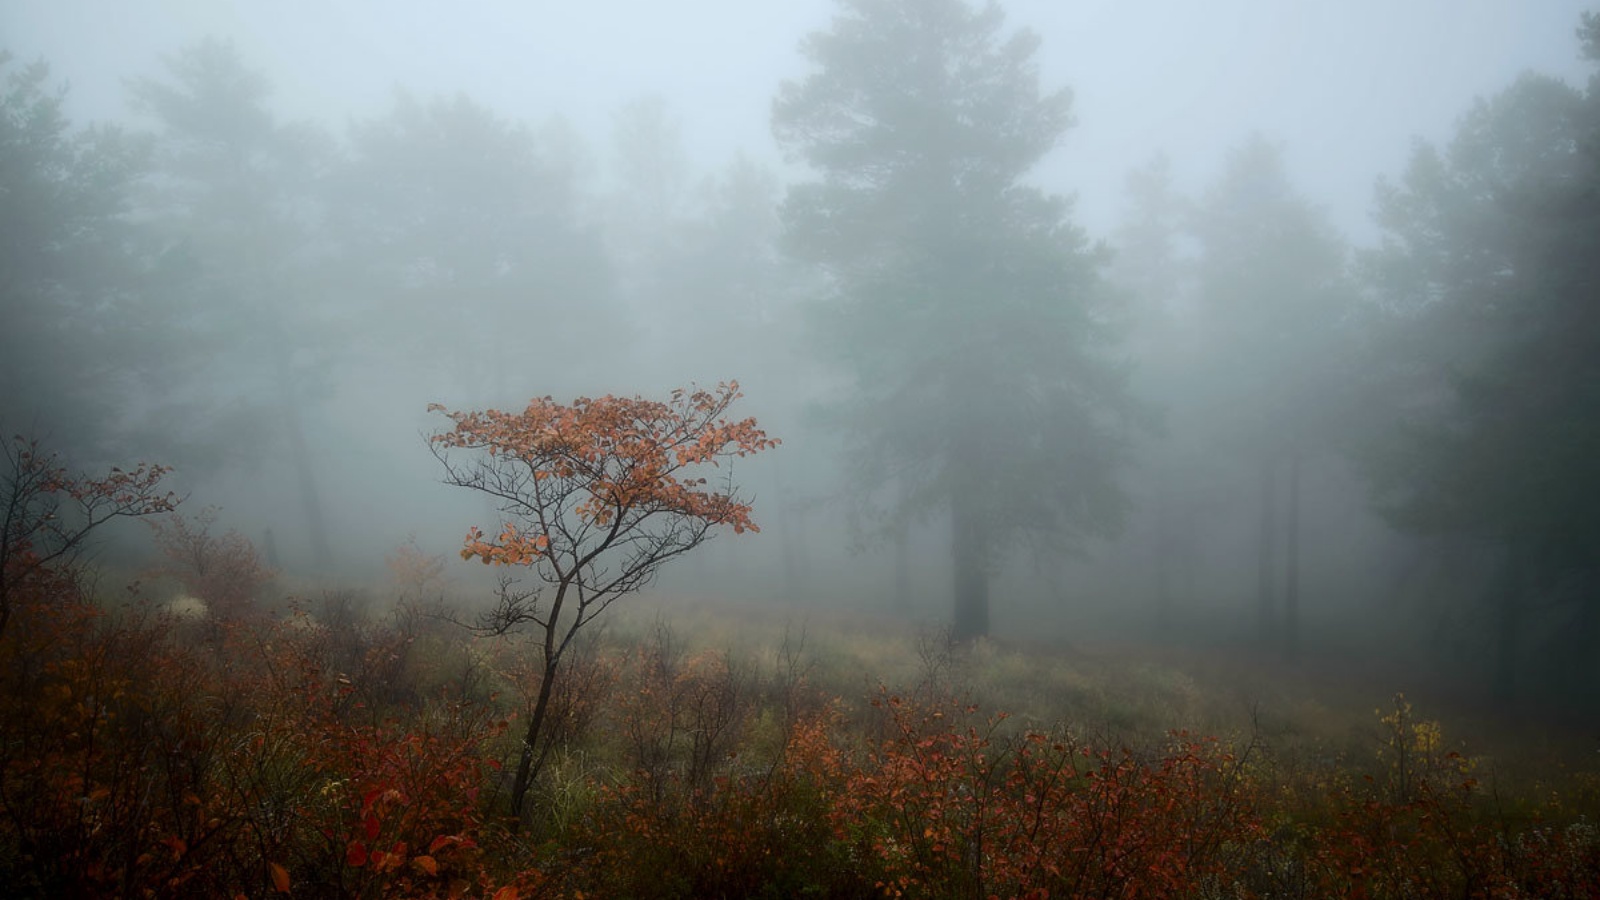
(1344, 86)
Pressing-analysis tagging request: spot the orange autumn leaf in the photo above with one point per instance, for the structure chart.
(426, 864)
(280, 877)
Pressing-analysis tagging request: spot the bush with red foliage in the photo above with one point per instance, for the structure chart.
(946, 806)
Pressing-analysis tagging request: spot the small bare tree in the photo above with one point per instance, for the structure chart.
(595, 496)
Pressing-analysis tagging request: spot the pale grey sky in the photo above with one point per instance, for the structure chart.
(1345, 85)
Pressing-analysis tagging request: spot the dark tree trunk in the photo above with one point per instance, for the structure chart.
(1574, 670)
(1163, 560)
(1291, 587)
(310, 497)
(305, 473)
(1163, 597)
(1508, 620)
(1187, 546)
(1266, 552)
(787, 537)
(971, 575)
(902, 567)
(527, 769)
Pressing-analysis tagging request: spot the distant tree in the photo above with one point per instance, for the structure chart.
(646, 216)
(1490, 352)
(1153, 267)
(700, 271)
(445, 205)
(1271, 294)
(738, 289)
(235, 199)
(1150, 261)
(597, 496)
(653, 177)
(965, 307)
(78, 324)
(692, 251)
(737, 302)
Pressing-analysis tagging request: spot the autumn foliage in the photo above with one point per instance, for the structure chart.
(598, 471)
(137, 764)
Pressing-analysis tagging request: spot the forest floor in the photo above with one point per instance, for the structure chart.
(700, 749)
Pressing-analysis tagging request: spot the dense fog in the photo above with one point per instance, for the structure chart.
(1253, 324)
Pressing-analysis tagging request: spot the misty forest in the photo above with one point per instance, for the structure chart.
(441, 496)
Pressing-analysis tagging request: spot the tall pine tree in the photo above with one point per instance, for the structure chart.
(965, 306)
(1487, 281)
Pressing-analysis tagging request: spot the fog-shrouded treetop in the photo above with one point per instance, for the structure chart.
(469, 241)
(69, 275)
(236, 198)
(964, 303)
(1272, 293)
(1488, 412)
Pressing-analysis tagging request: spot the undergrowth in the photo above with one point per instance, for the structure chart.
(330, 755)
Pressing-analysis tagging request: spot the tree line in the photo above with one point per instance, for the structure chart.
(198, 285)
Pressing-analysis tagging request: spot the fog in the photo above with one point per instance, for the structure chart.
(1345, 88)
(255, 241)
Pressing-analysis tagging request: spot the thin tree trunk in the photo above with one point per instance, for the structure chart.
(1188, 553)
(971, 576)
(310, 497)
(1163, 560)
(531, 760)
(786, 534)
(1508, 609)
(1266, 552)
(1163, 598)
(902, 567)
(1575, 667)
(1291, 587)
(526, 770)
